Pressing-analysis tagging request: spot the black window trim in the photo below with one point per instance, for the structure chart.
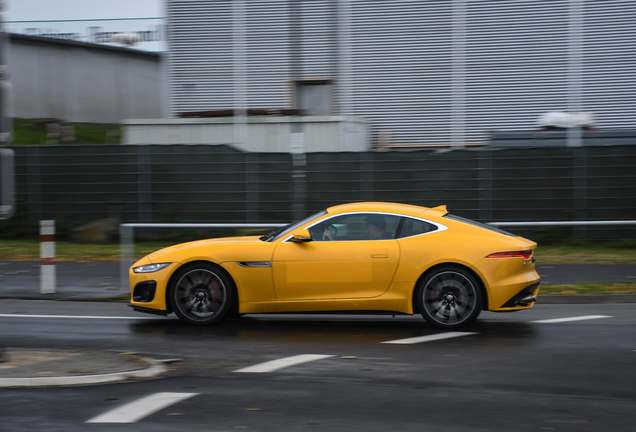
(440, 227)
(478, 224)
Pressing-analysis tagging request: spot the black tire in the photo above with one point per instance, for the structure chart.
(201, 294)
(449, 298)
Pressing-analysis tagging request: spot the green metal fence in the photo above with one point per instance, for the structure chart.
(161, 183)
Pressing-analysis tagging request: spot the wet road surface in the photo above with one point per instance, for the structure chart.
(554, 367)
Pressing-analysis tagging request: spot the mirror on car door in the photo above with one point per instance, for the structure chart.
(301, 236)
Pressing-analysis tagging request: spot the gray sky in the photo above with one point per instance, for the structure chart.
(36, 10)
(53, 18)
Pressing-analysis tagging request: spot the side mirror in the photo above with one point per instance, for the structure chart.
(301, 236)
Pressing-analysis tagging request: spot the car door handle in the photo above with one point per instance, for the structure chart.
(379, 256)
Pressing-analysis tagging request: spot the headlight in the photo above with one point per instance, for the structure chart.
(150, 268)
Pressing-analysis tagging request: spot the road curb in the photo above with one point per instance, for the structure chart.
(156, 368)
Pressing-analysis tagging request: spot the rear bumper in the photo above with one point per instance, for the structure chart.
(524, 299)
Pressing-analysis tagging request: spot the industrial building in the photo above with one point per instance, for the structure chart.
(83, 82)
(415, 72)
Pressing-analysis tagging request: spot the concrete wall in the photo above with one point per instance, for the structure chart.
(81, 82)
(264, 133)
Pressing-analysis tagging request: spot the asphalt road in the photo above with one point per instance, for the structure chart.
(506, 372)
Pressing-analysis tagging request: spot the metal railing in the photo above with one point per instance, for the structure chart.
(562, 223)
(128, 248)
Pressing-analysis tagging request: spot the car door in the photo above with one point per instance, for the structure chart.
(352, 265)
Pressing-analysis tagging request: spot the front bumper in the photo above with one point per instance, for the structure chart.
(148, 290)
(148, 311)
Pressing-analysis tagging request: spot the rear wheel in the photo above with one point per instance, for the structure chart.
(449, 298)
(201, 294)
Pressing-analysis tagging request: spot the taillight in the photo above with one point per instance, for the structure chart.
(519, 254)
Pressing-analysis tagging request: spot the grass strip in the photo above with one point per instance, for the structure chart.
(586, 254)
(589, 288)
(29, 250)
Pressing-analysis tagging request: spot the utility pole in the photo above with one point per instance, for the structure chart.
(297, 136)
(7, 178)
(458, 101)
(575, 69)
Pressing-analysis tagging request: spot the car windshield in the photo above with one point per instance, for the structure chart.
(282, 231)
(478, 224)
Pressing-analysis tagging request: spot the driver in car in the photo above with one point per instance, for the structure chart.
(374, 225)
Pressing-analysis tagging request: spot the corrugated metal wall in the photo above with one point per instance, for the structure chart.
(419, 69)
(82, 82)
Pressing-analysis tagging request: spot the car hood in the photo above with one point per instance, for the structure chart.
(210, 247)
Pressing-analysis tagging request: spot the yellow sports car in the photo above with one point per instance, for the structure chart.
(359, 257)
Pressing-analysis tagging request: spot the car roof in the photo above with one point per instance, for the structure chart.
(385, 207)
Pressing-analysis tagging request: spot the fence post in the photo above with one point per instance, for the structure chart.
(252, 187)
(485, 184)
(366, 175)
(47, 255)
(144, 179)
(33, 170)
(127, 251)
(579, 190)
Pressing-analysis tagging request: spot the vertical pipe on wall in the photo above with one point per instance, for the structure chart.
(239, 59)
(344, 69)
(575, 68)
(239, 69)
(297, 136)
(458, 92)
(169, 69)
(575, 105)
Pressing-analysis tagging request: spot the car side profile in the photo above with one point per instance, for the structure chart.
(360, 257)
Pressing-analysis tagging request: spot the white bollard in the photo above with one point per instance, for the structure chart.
(47, 254)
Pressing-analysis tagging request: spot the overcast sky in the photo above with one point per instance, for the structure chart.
(37, 10)
(46, 18)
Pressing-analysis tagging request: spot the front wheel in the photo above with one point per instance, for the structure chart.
(201, 294)
(449, 298)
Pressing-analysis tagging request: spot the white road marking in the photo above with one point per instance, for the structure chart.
(73, 317)
(135, 411)
(578, 318)
(429, 338)
(282, 363)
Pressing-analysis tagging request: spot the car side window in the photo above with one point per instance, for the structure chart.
(412, 227)
(359, 226)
